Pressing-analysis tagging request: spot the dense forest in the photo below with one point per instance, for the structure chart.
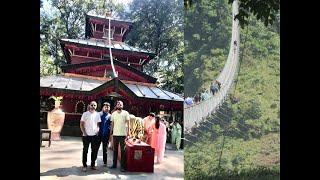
(206, 38)
(241, 140)
(158, 27)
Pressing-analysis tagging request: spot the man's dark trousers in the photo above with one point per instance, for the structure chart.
(105, 141)
(94, 141)
(116, 141)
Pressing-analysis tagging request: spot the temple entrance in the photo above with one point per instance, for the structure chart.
(112, 102)
(103, 100)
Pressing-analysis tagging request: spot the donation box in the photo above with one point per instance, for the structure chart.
(139, 156)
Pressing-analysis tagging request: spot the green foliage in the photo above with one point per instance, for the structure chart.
(265, 11)
(50, 32)
(207, 32)
(240, 159)
(72, 13)
(158, 28)
(171, 73)
(251, 125)
(46, 64)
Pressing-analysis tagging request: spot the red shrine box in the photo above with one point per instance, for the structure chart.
(139, 157)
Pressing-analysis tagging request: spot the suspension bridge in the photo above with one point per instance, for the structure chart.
(196, 113)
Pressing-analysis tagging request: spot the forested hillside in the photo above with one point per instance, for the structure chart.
(207, 36)
(241, 140)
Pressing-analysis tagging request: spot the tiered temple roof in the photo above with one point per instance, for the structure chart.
(88, 63)
(69, 67)
(69, 83)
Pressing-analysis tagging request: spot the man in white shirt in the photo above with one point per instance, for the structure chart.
(89, 125)
(119, 119)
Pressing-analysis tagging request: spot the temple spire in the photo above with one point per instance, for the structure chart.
(108, 16)
(108, 9)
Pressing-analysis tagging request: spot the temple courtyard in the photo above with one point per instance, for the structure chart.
(62, 160)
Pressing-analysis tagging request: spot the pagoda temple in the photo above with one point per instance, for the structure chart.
(88, 76)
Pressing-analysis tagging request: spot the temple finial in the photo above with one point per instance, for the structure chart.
(108, 13)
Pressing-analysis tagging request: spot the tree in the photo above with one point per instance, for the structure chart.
(154, 23)
(207, 35)
(46, 64)
(50, 33)
(158, 27)
(171, 74)
(264, 10)
(71, 15)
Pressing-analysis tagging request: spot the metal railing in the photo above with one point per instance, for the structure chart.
(195, 113)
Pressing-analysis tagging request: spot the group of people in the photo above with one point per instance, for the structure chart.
(119, 125)
(204, 94)
(201, 96)
(173, 129)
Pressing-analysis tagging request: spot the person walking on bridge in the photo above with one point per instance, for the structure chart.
(214, 88)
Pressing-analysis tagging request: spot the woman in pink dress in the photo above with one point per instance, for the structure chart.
(147, 124)
(158, 140)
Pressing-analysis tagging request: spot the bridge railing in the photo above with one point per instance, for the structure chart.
(195, 113)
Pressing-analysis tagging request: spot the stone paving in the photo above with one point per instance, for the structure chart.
(62, 160)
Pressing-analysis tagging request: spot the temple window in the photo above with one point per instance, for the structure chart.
(106, 32)
(99, 27)
(80, 107)
(80, 53)
(117, 30)
(95, 54)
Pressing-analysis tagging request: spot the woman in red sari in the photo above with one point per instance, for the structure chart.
(158, 140)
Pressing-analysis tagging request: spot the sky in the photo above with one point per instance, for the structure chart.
(50, 11)
(47, 7)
